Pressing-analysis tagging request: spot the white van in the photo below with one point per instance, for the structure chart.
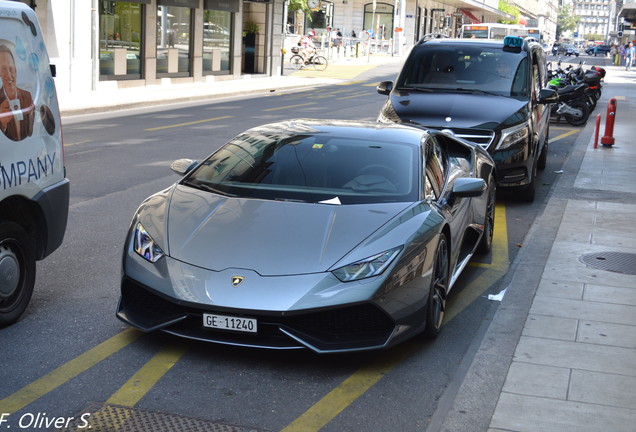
(34, 190)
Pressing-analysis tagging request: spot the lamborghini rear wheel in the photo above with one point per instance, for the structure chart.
(438, 289)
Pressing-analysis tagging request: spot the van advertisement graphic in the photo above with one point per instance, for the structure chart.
(29, 117)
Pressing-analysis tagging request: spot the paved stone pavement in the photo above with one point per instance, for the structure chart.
(560, 354)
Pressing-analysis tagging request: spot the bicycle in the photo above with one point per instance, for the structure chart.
(318, 62)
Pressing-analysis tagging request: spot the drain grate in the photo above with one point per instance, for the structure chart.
(618, 262)
(112, 418)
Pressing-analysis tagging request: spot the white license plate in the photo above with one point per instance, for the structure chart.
(224, 322)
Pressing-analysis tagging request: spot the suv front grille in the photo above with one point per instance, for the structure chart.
(481, 137)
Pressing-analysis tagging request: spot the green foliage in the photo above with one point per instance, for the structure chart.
(566, 21)
(509, 9)
(594, 37)
(298, 5)
(251, 27)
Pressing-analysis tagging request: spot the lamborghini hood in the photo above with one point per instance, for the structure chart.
(269, 237)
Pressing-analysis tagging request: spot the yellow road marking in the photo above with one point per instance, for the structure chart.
(499, 253)
(146, 377)
(67, 371)
(563, 135)
(350, 83)
(494, 271)
(327, 408)
(188, 123)
(342, 72)
(290, 106)
(355, 95)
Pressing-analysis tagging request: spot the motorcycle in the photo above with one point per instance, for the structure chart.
(578, 92)
(572, 104)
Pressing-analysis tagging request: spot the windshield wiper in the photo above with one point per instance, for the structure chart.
(206, 187)
(465, 90)
(420, 89)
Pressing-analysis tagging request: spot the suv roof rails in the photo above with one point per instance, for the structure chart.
(430, 36)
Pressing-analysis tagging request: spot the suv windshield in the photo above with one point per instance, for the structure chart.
(311, 168)
(460, 68)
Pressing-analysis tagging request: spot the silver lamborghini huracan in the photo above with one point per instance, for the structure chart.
(327, 235)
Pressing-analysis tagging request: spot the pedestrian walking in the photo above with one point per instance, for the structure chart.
(629, 56)
(616, 55)
(621, 51)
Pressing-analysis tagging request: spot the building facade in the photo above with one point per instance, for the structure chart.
(118, 44)
(597, 19)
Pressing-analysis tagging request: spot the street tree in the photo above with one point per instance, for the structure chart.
(511, 9)
(566, 21)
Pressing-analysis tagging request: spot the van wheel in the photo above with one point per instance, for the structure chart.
(527, 193)
(17, 272)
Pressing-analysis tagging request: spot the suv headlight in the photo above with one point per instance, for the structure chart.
(513, 135)
(145, 245)
(367, 267)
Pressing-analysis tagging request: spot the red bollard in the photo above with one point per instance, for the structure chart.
(608, 139)
(596, 130)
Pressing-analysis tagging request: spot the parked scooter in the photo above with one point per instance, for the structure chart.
(572, 104)
(578, 92)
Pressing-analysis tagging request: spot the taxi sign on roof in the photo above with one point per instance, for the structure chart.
(513, 43)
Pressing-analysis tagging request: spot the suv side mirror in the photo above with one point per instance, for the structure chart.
(548, 96)
(385, 87)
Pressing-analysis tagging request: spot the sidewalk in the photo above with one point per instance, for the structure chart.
(560, 354)
(133, 97)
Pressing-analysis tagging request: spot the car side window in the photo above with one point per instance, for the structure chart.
(520, 82)
(434, 168)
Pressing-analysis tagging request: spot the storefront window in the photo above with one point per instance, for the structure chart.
(217, 31)
(120, 30)
(382, 28)
(320, 19)
(174, 30)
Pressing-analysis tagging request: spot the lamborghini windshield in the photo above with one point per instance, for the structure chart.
(311, 168)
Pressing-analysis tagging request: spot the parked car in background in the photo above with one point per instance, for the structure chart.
(566, 49)
(598, 50)
(546, 48)
(492, 93)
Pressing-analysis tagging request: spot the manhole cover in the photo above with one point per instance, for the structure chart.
(112, 418)
(618, 262)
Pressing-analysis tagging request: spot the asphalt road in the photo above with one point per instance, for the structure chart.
(70, 357)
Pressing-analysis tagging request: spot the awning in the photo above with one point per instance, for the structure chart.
(472, 17)
(477, 8)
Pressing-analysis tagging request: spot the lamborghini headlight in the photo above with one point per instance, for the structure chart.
(145, 245)
(367, 267)
(513, 135)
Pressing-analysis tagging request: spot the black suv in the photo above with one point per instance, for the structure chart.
(492, 93)
(598, 50)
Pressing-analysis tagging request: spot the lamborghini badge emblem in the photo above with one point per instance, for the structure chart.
(237, 280)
